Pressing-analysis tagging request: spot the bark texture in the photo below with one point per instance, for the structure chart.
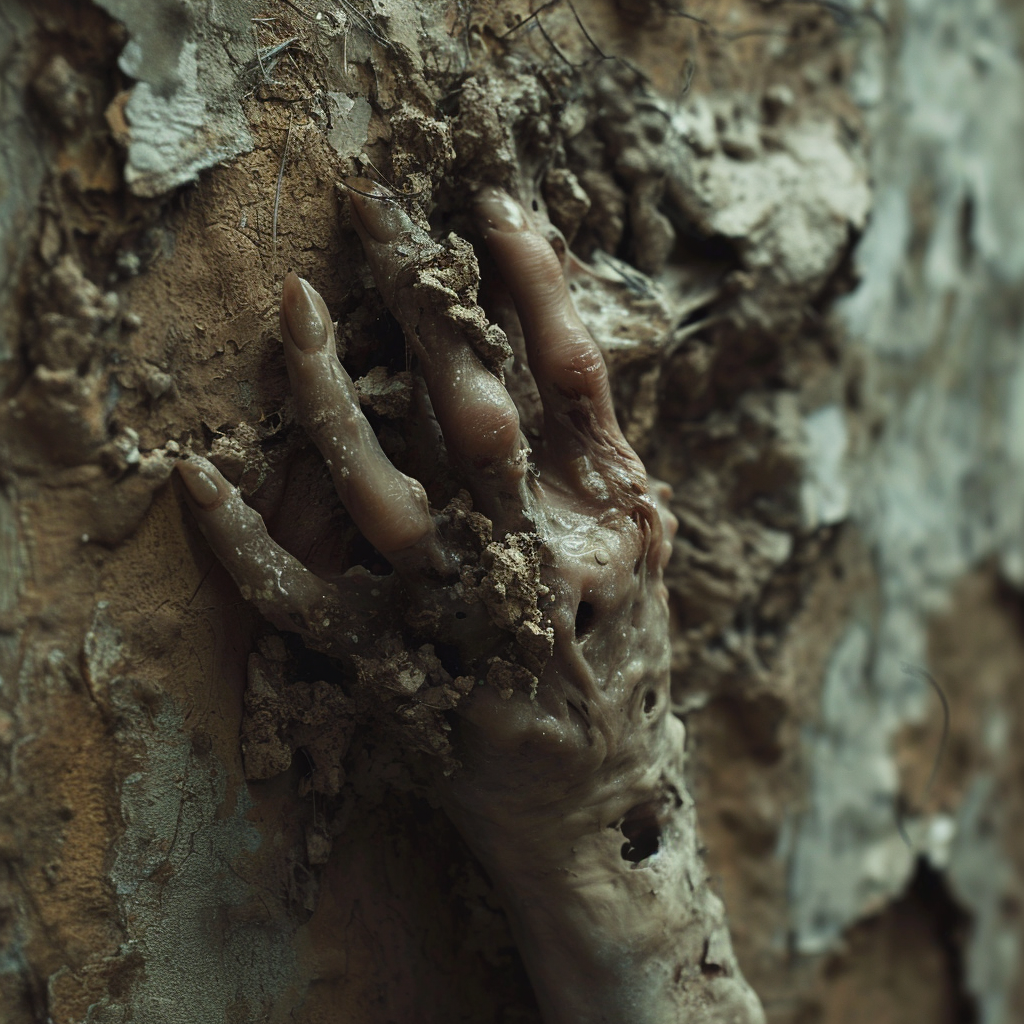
(804, 225)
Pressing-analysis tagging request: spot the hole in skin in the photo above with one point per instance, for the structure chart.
(535, 205)
(642, 832)
(584, 619)
(650, 701)
(707, 967)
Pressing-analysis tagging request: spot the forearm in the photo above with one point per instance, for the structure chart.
(610, 904)
(647, 951)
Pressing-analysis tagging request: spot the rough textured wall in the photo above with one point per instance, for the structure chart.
(936, 323)
(807, 253)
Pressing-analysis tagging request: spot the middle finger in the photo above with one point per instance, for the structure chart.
(478, 419)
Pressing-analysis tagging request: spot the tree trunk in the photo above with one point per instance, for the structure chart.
(804, 224)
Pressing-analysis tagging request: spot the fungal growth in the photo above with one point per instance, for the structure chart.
(522, 637)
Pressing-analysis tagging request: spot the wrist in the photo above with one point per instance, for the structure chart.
(607, 895)
(606, 939)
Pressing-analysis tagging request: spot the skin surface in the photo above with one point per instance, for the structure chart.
(570, 789)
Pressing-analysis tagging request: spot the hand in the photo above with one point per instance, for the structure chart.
(564, 773)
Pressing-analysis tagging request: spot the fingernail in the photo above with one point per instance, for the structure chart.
(376, 212)
(304, 316)
(202, 483)
(499, 211)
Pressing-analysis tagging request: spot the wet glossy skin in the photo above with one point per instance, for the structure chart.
(558, 778)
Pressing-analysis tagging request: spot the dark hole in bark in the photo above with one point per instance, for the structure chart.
(303, 760)
(366, 555)
(208, 435)
(642, 831)
(696, 315)
(304, 663)
(389, 344)
(450, 658)
(460, 615)
(693, 244)
(272, 425)
(650, 701)
(967, 229)
(584, 618)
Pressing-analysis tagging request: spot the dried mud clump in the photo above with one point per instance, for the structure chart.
(447, 279)
(390, 680)
(387, 394)
(64, 414)
(64, 400)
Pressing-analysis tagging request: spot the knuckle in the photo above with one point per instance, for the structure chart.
(407, 520)
(577, 364)
(417, 494)
(492, 430)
